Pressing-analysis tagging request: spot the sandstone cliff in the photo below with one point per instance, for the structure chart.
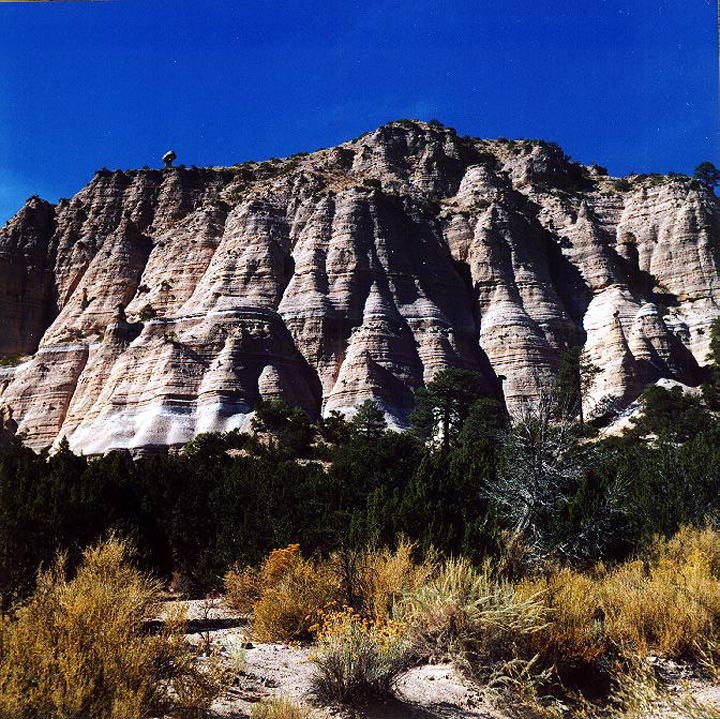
(156, 304)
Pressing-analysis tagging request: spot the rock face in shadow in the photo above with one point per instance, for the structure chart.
(156, 304)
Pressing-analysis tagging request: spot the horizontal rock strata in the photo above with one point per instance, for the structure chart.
(156, 304)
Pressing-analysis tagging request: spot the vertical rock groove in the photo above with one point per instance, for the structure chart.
(156, 304)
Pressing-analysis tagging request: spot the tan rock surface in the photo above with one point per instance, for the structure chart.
(351, 273)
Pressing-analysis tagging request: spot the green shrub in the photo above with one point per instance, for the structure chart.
(147, 313)
(622, 185)
(673, 414)
(10, 360)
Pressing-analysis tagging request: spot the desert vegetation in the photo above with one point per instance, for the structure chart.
(78, 648)
(279, 708)
(554, 635)
(547, 563)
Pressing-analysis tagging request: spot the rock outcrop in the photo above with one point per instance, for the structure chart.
(156, 304)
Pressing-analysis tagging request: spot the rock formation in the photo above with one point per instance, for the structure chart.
(156, 304)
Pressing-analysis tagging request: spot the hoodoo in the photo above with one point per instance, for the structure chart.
(351, 273)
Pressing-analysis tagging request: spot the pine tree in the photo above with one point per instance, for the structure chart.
(369, 421)
(708, 175)
(442, 407)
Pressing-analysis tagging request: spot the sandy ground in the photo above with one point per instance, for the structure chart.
(280, 670)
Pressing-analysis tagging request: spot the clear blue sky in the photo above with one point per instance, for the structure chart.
(631, 84)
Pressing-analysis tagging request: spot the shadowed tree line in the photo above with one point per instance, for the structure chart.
(461, 480)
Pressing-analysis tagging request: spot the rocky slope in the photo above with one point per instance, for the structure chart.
(156, 304)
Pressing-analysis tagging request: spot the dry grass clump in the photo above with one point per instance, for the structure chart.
(242, 588)
(573, 638)
(518, 689)
(357, 659)
(530, 637)
(380, 578)
(279, 708)
(687, 541)
(527, 638)
(638, 694)
(469, 615)
(666, 602)
(78, 648)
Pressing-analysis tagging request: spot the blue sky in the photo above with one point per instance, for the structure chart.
(631, 84)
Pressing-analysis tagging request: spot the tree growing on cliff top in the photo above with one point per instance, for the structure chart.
(708, 175)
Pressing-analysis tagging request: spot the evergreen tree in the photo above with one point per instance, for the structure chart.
(711, 389)
(442, 407)
(334, 428)
(575, 375)
(290, 426)
(708, 175)
(369, 421)
(672, 414)
(542, 470)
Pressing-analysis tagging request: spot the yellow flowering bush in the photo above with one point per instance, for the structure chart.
(284, 594)
(245, 586)
(287, 591)
(357, 658)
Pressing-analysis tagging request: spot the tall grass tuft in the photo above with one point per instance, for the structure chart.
(468, 615)
(385, 576)
(279, 708)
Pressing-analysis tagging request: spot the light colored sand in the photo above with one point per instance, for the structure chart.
(263, 671)
(281, 670)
